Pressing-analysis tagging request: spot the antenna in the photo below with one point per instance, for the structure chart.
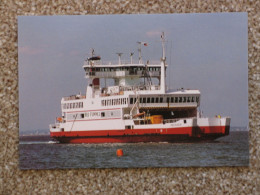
(139, 52)
(131, 57)
(92, 52)
(119, 58)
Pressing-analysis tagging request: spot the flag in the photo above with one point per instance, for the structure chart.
(145, 44)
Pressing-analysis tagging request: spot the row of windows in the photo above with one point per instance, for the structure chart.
(72, 105)
(122, 101)
(122, 69)
(94, 115)
(168, 99)
(112, 102)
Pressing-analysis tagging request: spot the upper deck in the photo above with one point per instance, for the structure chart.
(99, 69)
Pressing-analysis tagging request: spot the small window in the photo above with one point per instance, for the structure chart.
(197, 99)
(161, 100)
(148, 100)
(168, 99)
(157, 100)
(82, 115)
(192, 99)
(102, 114)
(176, 99)
(188, 100)
(144, 100)
(134, 100)
(185, 121)
(152, 100)
(180, 99)
(184, 99)
(131, 100)
(172, 100)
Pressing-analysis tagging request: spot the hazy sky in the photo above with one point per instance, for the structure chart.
(204, 51)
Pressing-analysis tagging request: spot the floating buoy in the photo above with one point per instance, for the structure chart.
(119, 152)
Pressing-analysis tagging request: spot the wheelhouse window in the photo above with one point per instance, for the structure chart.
(197, 99)
(184, 99)
(180, 99)
(176, 99)
(172, 99)
(161, 100)
(188, 100)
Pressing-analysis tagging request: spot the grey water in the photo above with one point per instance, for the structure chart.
(40, 152)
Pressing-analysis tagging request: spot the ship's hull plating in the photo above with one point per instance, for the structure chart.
(184, 134)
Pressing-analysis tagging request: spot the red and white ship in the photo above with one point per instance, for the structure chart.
(133, 108)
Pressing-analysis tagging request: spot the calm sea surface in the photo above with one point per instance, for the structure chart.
(39, 152)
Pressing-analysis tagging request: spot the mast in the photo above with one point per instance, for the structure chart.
(163, 62)
(139, 52)
(163, 47)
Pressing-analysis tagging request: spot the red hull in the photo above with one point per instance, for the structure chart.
(142, 135)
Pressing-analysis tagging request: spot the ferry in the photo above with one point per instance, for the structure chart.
(127, 102)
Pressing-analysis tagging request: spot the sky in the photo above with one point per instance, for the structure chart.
(207, 52)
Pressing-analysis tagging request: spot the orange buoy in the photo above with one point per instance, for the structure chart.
(119, 152)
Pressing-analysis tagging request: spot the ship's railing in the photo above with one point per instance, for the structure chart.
(131, 88)
(123, 62)
(139, 88)
(174, 120)
(123, 73)
(144, 121)
(74, 97)
(171, 120)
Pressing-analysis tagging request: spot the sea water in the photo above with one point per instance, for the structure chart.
(40, 152)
